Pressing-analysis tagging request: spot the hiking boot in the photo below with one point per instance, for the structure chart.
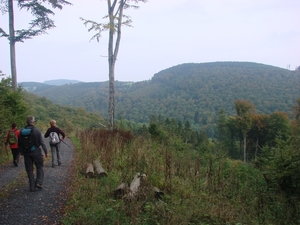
(53, 165)
(31, 189)
(59, 163)
(39, 186)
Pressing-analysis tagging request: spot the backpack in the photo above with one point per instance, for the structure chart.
(26, 140)
(12, 139)
(54, 138)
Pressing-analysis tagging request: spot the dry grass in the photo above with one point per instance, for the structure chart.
(198, 188)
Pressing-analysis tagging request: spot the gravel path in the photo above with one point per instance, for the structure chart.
(40, 207)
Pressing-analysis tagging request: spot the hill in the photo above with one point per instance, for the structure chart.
(68, 118)
(61, 82)
(34, 86)
(193, 92)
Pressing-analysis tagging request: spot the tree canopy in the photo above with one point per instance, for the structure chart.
(116, 19)
(193, 92)
(37, 26)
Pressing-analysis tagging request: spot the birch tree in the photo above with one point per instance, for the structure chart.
(116, 19)
(244, 111)
(37, 26)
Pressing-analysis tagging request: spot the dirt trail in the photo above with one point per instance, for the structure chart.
(39, 207)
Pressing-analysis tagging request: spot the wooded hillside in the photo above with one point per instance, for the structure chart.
(193, 92)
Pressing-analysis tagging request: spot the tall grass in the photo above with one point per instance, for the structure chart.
(199, 188)
(5, 153)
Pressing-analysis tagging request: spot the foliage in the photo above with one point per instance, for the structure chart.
(13, 106)
(193, 92)
(244, 111)
(68, 118)
(13, 109)
(37, 26)
(201, 184)
(41, 21)
(115, 10)
(116, 19)
(17, 105)
(296, 112)
(280, 168)
(199, 187)
(261, 130)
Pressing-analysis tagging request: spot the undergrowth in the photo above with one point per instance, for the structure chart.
(199, 188)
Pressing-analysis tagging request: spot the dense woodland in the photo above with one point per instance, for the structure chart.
(17, 105)
(219, 140)
(193, 92)
(247, 174)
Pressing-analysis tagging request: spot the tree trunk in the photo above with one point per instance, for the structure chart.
(245, 154)
(256, 148)
(100, 172)
(89, 172)
(121, 190)
(112, 55)
(12, 43)
(158, 193)
(111, 106)
(135, 186)
(111, 71)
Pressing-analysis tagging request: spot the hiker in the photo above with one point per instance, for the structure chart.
(12, 139)
(54, 140)
(31, 143)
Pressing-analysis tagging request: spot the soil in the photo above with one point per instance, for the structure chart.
(45, 206)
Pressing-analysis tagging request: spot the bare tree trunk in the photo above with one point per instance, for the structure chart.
(158, 193)
(12, 44)
(121, 190)
(256, 148)
(112, 55)
(99, 169)
(89, 172)
(111, 106)
(111, 69)
(135, 185)
(245, 154)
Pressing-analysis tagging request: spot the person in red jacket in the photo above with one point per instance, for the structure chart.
(12, 139)
(54, 133)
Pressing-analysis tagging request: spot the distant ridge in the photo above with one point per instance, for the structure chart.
(60, 82)
(194, 92)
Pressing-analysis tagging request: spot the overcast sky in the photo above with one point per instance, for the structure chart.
(165, 33)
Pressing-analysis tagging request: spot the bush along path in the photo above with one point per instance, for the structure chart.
(20, 206)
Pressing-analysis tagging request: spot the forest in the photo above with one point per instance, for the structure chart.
(193, 92)
(247, 174)
(219, 141)
(17, 105)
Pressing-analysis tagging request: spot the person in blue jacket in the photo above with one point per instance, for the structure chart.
(33, 156)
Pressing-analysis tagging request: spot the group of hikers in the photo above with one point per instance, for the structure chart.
(29, 143)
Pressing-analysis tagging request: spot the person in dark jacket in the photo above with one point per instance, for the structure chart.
(33, 157)
(55, 147)
(13, 146)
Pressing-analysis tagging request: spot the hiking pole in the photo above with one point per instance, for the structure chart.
(65, 143)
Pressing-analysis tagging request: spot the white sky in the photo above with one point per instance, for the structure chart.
(165, 33)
